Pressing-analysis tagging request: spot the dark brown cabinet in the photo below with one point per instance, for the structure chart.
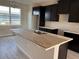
(54, 31)
(74, 11)
(51, 13)
(39, 11)
(63, 6)
(74, 44)
(70, 7)
(36, 11)
(47, 13)
(42, 16)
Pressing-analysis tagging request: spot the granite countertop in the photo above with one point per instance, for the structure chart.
(47, 27)
(46, 40)
(75, 32)
(64, 30)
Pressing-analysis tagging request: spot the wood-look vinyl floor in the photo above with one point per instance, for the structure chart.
(72, 55)
(9, 50)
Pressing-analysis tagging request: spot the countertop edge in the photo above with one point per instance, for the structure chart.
(58, 44)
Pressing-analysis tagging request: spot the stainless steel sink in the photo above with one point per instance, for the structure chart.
(39, 32)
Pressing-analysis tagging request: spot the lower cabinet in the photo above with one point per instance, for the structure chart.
(54, 31)
(74, 44)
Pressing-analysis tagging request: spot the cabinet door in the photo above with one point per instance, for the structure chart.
(51, 13)
(47, 13)
(42, 16)
(74, 44)
(40, 11)
(74, 11)
(36, 11)
(63, 6)
(54, 16)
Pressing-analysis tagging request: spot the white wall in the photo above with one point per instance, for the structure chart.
(30, 21)
(26, 14)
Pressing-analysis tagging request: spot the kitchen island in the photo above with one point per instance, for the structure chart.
(39, 46)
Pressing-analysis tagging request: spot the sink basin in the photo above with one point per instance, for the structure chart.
(39, 32)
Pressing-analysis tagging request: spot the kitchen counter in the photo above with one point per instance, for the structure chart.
(47, 27)
(75, 32)
(40, 46)
(64, 30)
(46, 40)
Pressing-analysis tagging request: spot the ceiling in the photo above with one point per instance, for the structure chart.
(35, 1)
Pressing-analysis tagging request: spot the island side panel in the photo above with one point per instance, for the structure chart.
(63, 51)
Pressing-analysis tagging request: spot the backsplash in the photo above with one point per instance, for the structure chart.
(63, 24)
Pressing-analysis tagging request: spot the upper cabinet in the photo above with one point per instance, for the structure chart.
(46, 13)
(63, 6)
(42, 16)
(36, 11)
(74, 11)
(70, 7)
(51, 13)
(39, 11)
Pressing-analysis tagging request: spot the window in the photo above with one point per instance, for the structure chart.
(10, 16)
(15, 16)
(4, 15)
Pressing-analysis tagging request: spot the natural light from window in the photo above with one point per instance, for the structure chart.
(10, 18)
